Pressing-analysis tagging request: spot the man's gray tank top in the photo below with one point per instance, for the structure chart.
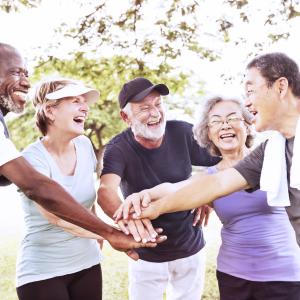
(3, 180)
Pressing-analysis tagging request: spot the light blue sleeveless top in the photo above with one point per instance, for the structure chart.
(48, 251)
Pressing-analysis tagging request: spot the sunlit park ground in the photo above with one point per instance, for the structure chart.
(114, 266)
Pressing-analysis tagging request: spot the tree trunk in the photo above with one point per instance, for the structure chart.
(99, 155)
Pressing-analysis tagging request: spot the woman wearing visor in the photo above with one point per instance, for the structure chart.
(59, 260)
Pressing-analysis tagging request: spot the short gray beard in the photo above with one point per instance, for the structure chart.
(8, 104)
(141, 130)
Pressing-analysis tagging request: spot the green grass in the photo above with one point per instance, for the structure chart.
(114, 267)
(115, 276)
(8, 251)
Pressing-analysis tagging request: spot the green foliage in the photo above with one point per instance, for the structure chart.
(177, 26)
(286, 9)
(22, 128)
(165, 35)
(16, 5)
(116, 47)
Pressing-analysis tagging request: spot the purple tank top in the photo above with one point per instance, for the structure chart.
(258, 241)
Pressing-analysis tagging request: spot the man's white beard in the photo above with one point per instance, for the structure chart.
(8, 104)
(141, 130)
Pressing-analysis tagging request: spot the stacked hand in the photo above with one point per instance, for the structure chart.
(134, 203)
(121, 242)
(128, 217)
(139, 206)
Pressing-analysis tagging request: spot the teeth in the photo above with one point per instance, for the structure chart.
(20, 94)
(227, 135)
(153, 123)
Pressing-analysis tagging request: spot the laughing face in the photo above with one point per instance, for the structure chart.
(262, 101)
(68, 116)
(14, 83)
(226, 127)
(148, 117)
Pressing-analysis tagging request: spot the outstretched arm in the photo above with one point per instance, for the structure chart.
(55, 199)
(137, 201)
(201, 189)
(49, 194)
(67, 226)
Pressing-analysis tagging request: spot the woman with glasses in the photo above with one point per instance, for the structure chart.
(259, 257)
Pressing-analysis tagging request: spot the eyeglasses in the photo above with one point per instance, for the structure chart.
(232, 121)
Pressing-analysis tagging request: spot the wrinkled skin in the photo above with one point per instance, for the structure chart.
(14, 83)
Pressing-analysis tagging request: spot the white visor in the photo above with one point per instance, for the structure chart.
(73, 90)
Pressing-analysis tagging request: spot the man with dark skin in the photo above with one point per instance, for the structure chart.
(14, 86)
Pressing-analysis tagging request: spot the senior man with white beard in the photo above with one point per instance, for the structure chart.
(151, 151)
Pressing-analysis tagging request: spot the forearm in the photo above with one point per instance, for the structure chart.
(108, 200)
(164, 189)
(76, 230)
(67, 226)
(52, 196)
(59, 202)
(202, 190)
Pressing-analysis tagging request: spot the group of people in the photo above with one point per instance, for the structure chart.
(151, 162)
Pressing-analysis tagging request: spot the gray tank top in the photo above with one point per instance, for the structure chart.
(3, 180)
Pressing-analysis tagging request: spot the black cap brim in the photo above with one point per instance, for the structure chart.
(161, 88)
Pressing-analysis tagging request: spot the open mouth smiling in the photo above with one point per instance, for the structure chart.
(153, 124)
(227, 135)
(21, 94)
(79, 119)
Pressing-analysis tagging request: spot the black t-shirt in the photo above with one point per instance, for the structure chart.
(141, 168)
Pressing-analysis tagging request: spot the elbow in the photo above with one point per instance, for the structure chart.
(102, 193)
(31, 192)
(105, 200)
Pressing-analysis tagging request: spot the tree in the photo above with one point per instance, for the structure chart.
(171, 28)
(169, 32)
(111, 45)
(16, 5)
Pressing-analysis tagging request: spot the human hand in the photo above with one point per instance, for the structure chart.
(133, 203)
(141, 230)
(152, 211)
(201, 215)
(121, 242)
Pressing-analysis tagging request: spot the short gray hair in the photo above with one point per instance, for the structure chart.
(127, 109)
(201, 127)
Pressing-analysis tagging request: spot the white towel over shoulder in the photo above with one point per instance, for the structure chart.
(273, 178)
(295, 167)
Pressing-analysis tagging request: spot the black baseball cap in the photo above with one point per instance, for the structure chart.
(137, 89)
